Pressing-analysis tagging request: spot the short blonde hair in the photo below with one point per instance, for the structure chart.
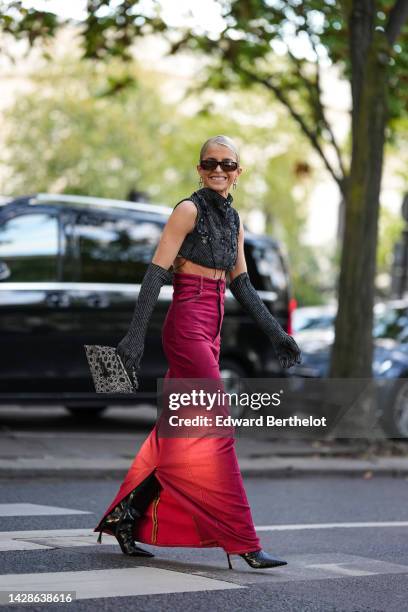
(221, 140)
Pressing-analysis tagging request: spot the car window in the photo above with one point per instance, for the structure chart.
(115, 249)
(266, 268)
(29, 248)
(322, 321)
(270, 264)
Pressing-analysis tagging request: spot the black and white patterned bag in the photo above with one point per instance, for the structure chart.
(108, 372)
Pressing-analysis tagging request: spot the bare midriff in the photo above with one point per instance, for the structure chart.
(185, 266)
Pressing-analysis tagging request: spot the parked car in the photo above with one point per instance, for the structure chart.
(314, 317)
(390, 361)
(70, 272)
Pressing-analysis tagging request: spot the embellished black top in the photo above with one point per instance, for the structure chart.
(213, 242)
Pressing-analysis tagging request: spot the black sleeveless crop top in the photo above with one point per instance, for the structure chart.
(213, 242)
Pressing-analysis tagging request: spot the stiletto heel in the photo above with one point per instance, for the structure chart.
(99, 540)
(229, 561)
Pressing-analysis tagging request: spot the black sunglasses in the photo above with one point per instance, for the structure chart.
(226, 164)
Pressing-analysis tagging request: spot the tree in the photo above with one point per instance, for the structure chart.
(94, 142)
(70, 137)
(359, 36)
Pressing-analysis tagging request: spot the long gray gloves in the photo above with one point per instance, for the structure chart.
(286, 349)
(130, 348)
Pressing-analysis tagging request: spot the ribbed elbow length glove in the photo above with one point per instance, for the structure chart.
(285, 347)
(130, 348)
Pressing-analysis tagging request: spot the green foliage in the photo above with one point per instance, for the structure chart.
(286, 218)
(21, 23)
(398, 148)
(244, 51)
(255, 47)
(73, 137)
(390, 228)
(310, 286)
(77, 137)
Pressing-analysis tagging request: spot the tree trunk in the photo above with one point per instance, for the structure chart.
(353, 348)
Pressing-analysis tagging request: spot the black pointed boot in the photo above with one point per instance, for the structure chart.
(259, 559)
(120, 523)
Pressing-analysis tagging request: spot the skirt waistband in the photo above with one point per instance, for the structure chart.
(198, 280)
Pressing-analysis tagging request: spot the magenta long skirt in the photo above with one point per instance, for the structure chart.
(190, 487)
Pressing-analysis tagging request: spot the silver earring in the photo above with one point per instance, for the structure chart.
(200, 182)
(234, 185)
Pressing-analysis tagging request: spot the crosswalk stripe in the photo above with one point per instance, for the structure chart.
(125, 582)
(351, 525)
(26, 509)
(145, 580)
(50, 538)
(7, 545)
(66, 538)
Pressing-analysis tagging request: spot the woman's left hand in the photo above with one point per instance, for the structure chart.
(288, 352)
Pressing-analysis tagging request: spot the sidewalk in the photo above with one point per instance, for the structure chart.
(29, 454)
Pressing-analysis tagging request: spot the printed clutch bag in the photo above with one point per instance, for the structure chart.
(108, 372)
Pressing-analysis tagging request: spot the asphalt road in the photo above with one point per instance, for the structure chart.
(359, 565)
(345, 539)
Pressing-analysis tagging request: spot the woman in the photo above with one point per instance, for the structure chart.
(188, 491)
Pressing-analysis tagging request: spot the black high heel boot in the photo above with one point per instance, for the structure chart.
(120, 523)
(259, 559)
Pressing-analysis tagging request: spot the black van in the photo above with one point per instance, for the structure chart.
(70, 272)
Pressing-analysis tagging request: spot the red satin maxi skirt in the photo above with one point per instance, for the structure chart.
(190, 489)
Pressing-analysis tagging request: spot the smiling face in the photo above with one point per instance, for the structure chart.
(217, 179)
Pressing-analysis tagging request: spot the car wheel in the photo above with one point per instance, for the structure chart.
(395, 418)
(86, 412)
(231, 373)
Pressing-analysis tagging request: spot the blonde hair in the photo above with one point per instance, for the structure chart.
(220, 140)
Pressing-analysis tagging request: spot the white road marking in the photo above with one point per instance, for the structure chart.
(126, 582)
(66, 538)
(132, 581)
(301, 526)
(309, 567)
(51, 538)
(26, 509)
(7, 545)
(338, 568)
(330, 565)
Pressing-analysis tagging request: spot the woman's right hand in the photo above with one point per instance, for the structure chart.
(130, 362)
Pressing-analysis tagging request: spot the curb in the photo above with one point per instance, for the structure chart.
(275, 467)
